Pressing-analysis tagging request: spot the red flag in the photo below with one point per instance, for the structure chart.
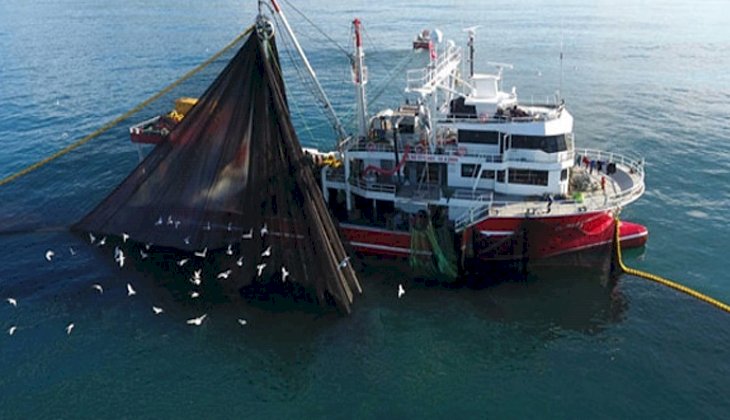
(432, 50)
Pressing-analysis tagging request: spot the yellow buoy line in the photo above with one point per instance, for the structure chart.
(126, 115)
(661, 280)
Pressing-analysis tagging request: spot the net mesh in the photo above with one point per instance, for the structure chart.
(231, 184)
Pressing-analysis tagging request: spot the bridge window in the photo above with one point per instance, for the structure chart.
(548, 144)
(528, 177)
(480, 137)
(469, 170)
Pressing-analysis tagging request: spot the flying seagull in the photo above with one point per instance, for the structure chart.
(12, 302)
(182, 262)
(102, 241)
(230, 226)
(260, 267)
(69, 328)
(130, 290)
(207, 226)
(120, 258)
(49, 255)
(242, 321)
(239, 262)
(202, 253)
(92, 238)
(229, 250)
(98, 287)
(187, 240)
(401, 291)
(125, 236)
(169, 220)
(264, 230)
(267, 252)
(159, 221)
(284, 273)
(143, 254)
(12, 329)
(196, 277)
(197, 321)
(194, 294)
(343, 263)
(224, 274)
(248, 235)
(157, 310)
(71, 251)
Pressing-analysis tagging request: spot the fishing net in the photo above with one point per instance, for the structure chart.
(232, 182)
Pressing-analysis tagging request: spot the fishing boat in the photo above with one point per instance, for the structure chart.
(464, 173)
(466, 170)
(422, 40)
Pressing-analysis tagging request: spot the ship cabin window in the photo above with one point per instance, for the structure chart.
(563, 174)
(470, 170)
(479, 137)
(548, 144)
(528, 177)
(500, 176)
(458, 109)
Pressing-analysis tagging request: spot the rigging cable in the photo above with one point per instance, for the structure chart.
(661, 280)
(126, 115)
(329, 38)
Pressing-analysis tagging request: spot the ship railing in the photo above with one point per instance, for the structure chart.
(367, 185)
(427, 78)
(634, 165)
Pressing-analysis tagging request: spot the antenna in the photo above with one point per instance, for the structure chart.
(472, 31)
(560, 86)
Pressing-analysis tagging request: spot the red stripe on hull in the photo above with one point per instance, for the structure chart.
(497, 239)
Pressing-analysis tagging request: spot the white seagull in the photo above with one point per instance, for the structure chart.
(343, 263)
(230, 226)
(187, 240)
(92, 238)
(260, 267)
(207, 226)
(202, 253)
(197, 321)
(12, 329)
(264, 230)
(196, 280)
(120, 258)
(401, 291)
(125, 236)
(229, 250)
(224, 274)
(71, 251)
(248, 235)
(49, 255)
(12, 302)
(242, 321)
(267, 252)
(157, 310)
(130, 290)
(143, 254)
(102, 241)
(177, 224)
(169, 220)
(159, 221)
(98, 287)
(239, 262)
(194, 294)
(147, 246)
(69, 328)
(284, 273)
(182, 262)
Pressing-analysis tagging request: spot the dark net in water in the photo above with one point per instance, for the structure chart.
(231, 183)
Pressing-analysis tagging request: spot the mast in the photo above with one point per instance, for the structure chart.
(322, 96)
(360, 79)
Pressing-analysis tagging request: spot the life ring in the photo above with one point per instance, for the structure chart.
(483, 117)
(370, 146)
(461, 151)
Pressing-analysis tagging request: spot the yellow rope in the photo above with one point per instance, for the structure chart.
(126, 115)
(661, 280)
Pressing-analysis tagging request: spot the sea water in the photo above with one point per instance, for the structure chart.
(648, 78)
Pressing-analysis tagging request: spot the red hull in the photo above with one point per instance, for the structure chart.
(499, 239)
